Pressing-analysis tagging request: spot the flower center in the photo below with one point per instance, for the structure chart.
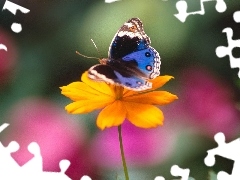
(118, 92)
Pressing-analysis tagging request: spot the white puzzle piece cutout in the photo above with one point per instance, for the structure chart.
(2, 46)
(33, 169)
(182, 7)
(222, 51)
(12, 7)
(230, 151)
(177, 171)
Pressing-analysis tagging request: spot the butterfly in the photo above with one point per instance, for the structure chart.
(131, 60)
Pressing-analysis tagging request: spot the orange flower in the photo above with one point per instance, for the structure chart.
(118, 103)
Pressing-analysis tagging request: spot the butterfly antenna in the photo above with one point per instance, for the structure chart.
(97, 49)
(90, 56)
(86, 56)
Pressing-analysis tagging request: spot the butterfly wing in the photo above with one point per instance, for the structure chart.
(147, 60)
(106, 73)
(129, 38)
(131, 59)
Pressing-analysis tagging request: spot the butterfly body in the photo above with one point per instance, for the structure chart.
(131, 60)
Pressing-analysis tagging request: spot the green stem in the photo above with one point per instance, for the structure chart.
(122, 153)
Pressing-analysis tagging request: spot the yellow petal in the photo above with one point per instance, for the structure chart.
(155, 98)
(127, 92)
(85, 106)
(78, 90)
(112, 115)
(100, 86)
(144, 115)
(159, 81)
(156, 83)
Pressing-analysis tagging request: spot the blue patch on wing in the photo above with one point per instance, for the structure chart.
(148, 61)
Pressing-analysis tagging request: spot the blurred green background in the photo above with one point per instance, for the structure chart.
(42, 58)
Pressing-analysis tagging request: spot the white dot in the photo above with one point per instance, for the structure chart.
(209, 160)
(86, 178)
(110, 1)
(221, 51)
(175, 170)
(236, 16)
(159, 178)
(16, 27)
(221, 6)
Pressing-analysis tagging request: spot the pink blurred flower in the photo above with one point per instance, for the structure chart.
(58, 135)
(142, 147)
(209, 102)
(7, 58)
